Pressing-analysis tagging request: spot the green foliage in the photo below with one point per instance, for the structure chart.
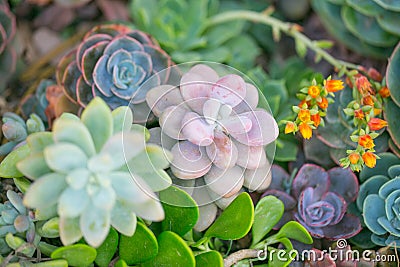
(76, 255)
(209, 258)
(368, 27)
(181, 28)
(106, 251)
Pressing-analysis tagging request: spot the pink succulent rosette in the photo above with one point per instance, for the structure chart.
(217, 136)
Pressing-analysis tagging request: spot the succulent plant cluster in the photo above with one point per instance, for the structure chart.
(98, 169)
(16, 130)
(317, 199)
(215, 131)
(378, 200)
(113, 62)
(8, 57)
(368, 27)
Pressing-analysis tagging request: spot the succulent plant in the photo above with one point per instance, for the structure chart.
(377, 201)
(37, 103)
(318, 199)
(15, 130)
(368, 27)
(216, 132)
(98, 168)
(181, 28)
(8, 56)
(112, 62)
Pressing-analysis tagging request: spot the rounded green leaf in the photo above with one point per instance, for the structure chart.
(55, 263)
(131, 249)
(38, 141)
(268, 212)
(366, 7)
(33, 166)
(181, 212)
(392, 77)
(64, 157)
(389, 4)
(121, 263)
(99, 121)
(8, 167)
(389, 21)
(122, 119)
(209, 258)
(235, 221)
(22, 184)
(296, 231)
(107, 250)
(76, 255)
(172, 251)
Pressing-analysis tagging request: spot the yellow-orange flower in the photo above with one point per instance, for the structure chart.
(363, 85)
(368, 100)
(376, 124)
(316, 119)
(359, 114)
(313, 91)
(289, 128)
(354, 157)
(323, 104)
(366, 141)
(305, 130)
(304, 115)
(334, 85)
(384, 92)
(369, 159)
(377, 111)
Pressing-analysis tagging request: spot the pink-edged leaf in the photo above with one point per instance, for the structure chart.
(70, 80)
(264, 129)
(84, 92)
(208, 73)
(65, 61)
(189, 161)
(89, 59)
(222, 152)
(161, 62)
(123, 42)
(311, 175)
(230, 90)
(250, 101)
(344, 182)
(338, 203)
(141, 37)
(171, 121)
(114, 59)
(197, 130)
(225, 182)
(289, 202)
(161, 97)
(103, 79)
(348, 227)
(109, 29)
(90, 42)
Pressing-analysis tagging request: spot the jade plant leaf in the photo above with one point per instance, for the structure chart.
(107, 250)
(296, 231)
(181, 211)
(172, 251)
(392, 75)
(268, 212)
(55, 263)
(77, 255)
(121, 263)
(209, 258)
(366, 7)
(131, 248)
(235, 221)
(8, 167)
(389, 4)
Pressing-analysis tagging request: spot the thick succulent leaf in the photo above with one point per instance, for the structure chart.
(258, 179)
(122, 118)
(39, 195)
(94, 224)
(89, 59)
(64, 157)
(74, 132)
(310, 175)
(162, 97)
(389, 187)
(149, 210)
(69, 230)
(251, 157)
(171, 121)
(181, 211)
(223, 152)
(230, 90)
(106, 251)
(389, 4)
(223, 202)
(348, 227)
(8, 167)
(207, 209)
(391, 116)
(197, 130)
(43, 214)
(123, 42)
(159, 138)
(103, 79)
(374, 207)
(369, 187)
(131, 247)
(250, 101)
(237, 124)
(99, 121)
(195, 90)
(225, 182)
(279, 178)
(152, 158)
(156, 179)
(394, 171)
(33, 166)
(129, 189)
(72, 202)
(89, 42)
(268, 212)
(76, 255)
(264, 129)
(344, 182)
(78, 178)
(390, 205)
(209, 258)
(189, 161)
(366, 7)
(70, 80)
(393, 81)
(123, 219)
(104, 198)
(235, 221)
(172, 251)
(16, 201)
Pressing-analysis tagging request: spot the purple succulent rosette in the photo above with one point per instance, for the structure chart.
(318, 199)
(113, 62)
(216, 133)
(8, 57)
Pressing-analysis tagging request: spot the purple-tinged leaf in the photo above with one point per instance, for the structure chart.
(250, 101)
(348, 227)
(338, 203)
(343, 182)
(197, 130)
(89, 58)
(222, 152)
(311, 175)
(87, 43)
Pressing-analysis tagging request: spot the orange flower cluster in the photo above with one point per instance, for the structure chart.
(312, 107)
(365, 108)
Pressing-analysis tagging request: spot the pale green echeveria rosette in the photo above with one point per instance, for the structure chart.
(218, 127)
(80, 174)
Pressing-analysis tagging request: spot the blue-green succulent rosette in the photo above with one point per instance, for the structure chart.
(112, 62)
